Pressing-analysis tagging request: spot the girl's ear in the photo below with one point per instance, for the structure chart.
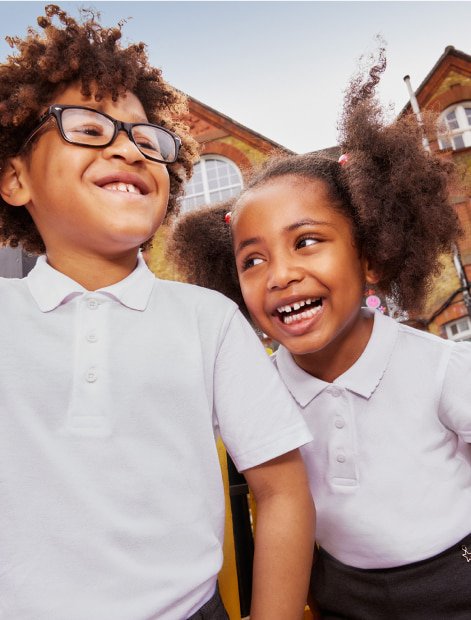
(371, 274)
(13, 189)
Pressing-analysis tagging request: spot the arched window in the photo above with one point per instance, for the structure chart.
(455, 132)
(215, 178)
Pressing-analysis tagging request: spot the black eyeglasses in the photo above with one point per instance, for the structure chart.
(93, 129)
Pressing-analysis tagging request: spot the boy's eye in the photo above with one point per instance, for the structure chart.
(87, 130)
(306, 242)
(144, 143)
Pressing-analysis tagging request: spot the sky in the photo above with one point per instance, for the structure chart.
(279, 68)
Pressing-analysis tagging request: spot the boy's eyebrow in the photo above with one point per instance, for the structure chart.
(137, 118)
(306, 222)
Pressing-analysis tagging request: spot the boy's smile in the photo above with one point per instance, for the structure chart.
(300, 273)
(91, 203)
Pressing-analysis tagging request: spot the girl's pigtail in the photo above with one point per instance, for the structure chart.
(200, 247)
(399, 194)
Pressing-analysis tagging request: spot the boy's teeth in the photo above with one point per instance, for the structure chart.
(122, 187)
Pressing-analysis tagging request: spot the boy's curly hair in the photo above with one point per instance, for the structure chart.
(91, 55)
(395, 194)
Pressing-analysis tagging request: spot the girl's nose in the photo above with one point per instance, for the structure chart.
(282, 273)
(123, 147)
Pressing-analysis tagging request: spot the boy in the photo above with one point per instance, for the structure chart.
(113, 383)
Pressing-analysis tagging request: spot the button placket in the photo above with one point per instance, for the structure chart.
(87, 413)
(341, 448)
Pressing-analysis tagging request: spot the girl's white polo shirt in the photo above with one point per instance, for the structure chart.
(390, 463)
(111, 499)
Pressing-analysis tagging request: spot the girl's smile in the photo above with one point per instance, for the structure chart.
(300, 273)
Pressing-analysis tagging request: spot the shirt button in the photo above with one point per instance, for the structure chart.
(92, 337)
(339, 423)
(91, 376)
(341, 458)
(92, 304)
(335, 392)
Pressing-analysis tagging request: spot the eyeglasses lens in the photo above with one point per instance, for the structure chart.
(153, 142)
(89, 128)
(86, 127)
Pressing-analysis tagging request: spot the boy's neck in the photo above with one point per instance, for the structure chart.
(94, 272)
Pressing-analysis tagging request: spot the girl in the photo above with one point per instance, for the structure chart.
(388, 405)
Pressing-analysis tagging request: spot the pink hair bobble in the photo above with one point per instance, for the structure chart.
(228, 217)
(343, 159)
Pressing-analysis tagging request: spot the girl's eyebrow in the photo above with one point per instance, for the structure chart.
(243, 244)
(306, 222)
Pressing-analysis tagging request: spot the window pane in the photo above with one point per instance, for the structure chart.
(451, 121)
(468, 115)
(458, 142)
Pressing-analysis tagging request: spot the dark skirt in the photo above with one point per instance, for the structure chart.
(438, 588)
(211, 610)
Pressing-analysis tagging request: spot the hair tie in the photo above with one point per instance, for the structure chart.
(343, 159)
(228, 217)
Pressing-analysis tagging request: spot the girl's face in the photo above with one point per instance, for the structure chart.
(301, 275)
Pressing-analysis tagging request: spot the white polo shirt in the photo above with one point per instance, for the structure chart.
(111, 500)
(389, 466)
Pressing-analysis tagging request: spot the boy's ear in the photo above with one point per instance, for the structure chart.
(13, 189)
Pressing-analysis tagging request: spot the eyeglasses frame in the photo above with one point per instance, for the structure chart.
(56, 109)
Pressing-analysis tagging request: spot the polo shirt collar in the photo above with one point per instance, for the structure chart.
(51, 288)
(362, 378)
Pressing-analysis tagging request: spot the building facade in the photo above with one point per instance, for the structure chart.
(446, 90)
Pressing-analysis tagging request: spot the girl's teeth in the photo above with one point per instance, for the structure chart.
(296, 306)
(307, 314)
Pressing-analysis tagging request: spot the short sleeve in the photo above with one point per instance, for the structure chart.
(455, 402)
(257, 418)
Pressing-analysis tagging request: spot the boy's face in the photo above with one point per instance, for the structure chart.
(93, 202)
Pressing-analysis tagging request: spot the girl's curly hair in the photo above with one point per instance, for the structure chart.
(91, 55)
(395, 194)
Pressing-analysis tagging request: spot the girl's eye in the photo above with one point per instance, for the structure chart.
(251, 262)
(306, 242)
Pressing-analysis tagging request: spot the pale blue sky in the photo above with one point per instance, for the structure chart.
(277, 67)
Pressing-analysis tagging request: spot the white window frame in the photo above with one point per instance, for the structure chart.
(462, 327)
(208, 191)
(446, 138)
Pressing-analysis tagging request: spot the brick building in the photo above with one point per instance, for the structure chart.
(447, 90)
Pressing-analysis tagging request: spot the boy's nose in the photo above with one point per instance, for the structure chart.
(123, 147)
